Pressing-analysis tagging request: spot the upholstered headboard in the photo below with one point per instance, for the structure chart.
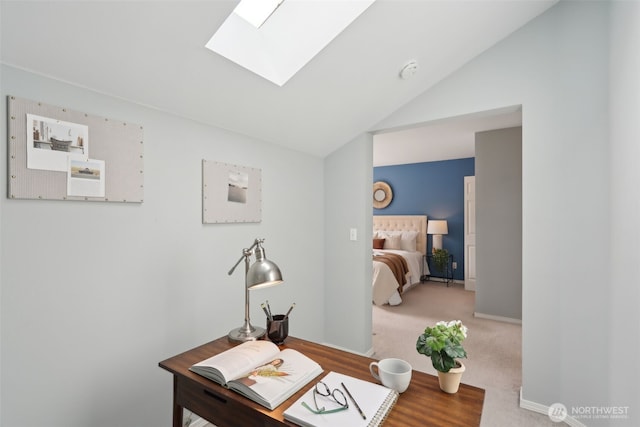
(404, 223)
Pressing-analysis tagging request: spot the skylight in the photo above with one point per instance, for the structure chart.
(256, 12)
(294, 32)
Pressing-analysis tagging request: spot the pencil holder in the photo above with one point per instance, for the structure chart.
(278, 328)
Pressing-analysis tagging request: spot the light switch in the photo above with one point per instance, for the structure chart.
(353, 234)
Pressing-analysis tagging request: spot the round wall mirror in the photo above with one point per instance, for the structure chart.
(382, 195)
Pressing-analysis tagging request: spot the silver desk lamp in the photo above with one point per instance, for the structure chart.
(262, 274)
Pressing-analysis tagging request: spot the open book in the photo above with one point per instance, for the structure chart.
(260, 371)
(374, 400)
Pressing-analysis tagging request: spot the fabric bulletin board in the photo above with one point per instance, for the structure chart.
(56, 153)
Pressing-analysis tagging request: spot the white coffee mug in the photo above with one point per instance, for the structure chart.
(392, 373)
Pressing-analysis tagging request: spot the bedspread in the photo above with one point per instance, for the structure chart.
(398, 266)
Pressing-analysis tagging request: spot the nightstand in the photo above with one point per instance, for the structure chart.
(448, 274)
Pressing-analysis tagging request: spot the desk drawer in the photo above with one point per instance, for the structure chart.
(214, 404)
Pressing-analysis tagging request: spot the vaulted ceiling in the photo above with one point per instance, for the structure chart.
(152, 53)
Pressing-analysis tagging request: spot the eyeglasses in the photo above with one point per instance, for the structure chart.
(337, 395)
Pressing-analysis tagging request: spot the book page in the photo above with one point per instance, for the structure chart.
(239, 360)
(279, 378)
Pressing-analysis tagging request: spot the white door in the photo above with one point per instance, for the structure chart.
(470, 233)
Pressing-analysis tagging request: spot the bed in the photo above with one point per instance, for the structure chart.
(399, 246)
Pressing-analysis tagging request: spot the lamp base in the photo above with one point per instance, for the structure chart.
(241, 334)
(437, 242)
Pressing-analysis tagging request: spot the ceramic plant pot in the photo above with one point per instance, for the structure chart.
(450, 381)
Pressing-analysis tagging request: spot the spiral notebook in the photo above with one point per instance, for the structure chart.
(375, 401)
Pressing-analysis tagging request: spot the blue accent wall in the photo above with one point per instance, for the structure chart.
(435, 189)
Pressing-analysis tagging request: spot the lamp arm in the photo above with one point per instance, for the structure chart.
(246, 253)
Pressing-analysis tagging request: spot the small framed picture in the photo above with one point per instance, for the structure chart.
(230, 193)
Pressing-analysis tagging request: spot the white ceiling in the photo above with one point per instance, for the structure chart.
(153, 53)
(453, 138)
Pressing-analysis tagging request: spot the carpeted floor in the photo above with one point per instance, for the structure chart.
(493, 348)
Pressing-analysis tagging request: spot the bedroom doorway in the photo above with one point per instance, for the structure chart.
(394, 327)
(435, 148)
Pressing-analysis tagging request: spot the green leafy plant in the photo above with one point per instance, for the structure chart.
(441, 259)
(443, 344)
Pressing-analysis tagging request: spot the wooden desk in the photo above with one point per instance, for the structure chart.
(423, 404)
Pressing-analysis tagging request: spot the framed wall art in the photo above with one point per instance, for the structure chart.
(230, 193)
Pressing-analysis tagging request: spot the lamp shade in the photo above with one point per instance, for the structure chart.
(263, 273)
(437, 226)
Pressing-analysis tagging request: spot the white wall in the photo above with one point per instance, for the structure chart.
(498, 168)
(624, 333)
(348, 177)
(94, 295)
(556, 67)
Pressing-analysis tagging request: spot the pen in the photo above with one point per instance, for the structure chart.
(269, 310)
(264, 308)
(290, 308)
(354, 401)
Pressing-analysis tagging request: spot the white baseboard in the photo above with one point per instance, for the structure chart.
(543, 409)
(498, 318)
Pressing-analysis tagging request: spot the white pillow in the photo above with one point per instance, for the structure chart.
(408, 240)
(384, 234)
(393, 241)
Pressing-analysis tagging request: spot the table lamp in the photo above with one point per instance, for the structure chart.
(262, 274)
(437, 227)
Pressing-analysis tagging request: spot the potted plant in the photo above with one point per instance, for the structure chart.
(443, 344)
(441, 260)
